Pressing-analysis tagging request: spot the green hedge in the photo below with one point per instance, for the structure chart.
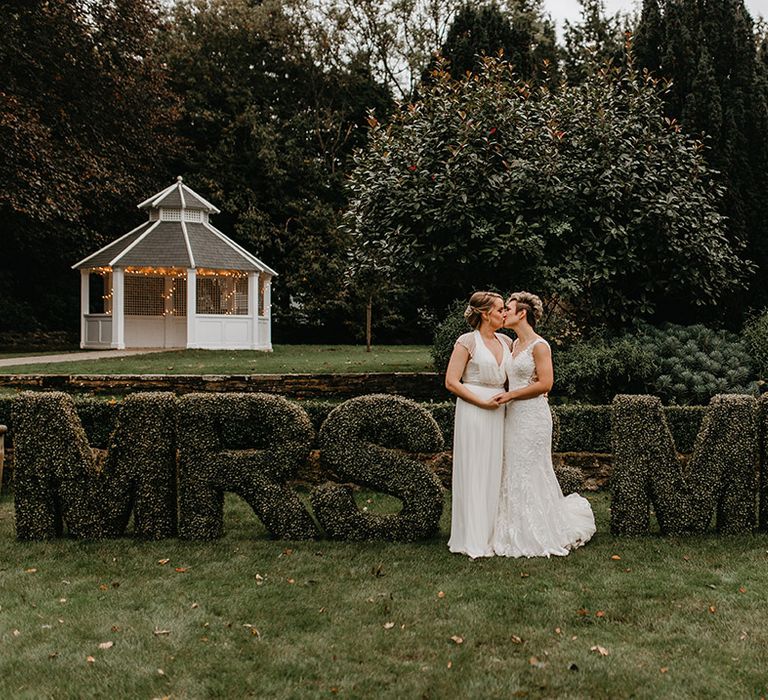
(363, 441)
(250, 444)
(582, 427)
(720, 476)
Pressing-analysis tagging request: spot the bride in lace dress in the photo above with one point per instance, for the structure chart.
(476, 375)
(533, 518)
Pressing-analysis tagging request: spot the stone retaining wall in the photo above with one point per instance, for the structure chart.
(420, 386)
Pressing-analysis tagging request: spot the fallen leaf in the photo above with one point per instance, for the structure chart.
(712, 609)
(515, 639)
(53, 654)
(106, 645)
(600, 613)
(115, 628)
(158, 632)
(742, 589)
(287, 552)
(30, 571)
(160, 672)
(103, 587)
(90, 659)
(600, 650)
(686, 557)
(181, 569)
(440, 594)
(450, 663)
(16, 633)
(389, 625)
(321, 611)
(582, 612)
(616, 557)
(458, 640)
(62, 600)
(558, 630)
(194, 606)
(743, 636)
(663, 669)
(163, 562)
(524, 574)
(290, 580)
(259, 579)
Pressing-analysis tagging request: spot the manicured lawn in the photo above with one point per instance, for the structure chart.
(285, 359)
(249, 617)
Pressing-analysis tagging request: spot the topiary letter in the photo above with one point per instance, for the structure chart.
(720, 476)
(365, 440)
(250, 444)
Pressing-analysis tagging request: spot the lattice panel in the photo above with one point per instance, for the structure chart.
(144, 295)
(222, 295)
(179, 296)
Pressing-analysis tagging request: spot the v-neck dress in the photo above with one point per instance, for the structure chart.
(478, 441)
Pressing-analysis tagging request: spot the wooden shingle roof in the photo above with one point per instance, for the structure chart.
(180, 243)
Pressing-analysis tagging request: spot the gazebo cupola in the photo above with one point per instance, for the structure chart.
(175, 281)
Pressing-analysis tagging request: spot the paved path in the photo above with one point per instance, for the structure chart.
(76, 356)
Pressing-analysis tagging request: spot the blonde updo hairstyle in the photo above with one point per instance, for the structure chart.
(479, 304)
(534, 308)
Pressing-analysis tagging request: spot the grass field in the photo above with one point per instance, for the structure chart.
(312, 359)
(250, 617)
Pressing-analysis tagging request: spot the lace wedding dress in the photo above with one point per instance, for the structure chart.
(534, 519)
(478, 440)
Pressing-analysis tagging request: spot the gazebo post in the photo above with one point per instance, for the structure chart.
(253, 307)
(191, 307)
(118, 308)
(85, 303)
(268, 311)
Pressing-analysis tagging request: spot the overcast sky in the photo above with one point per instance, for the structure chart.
(569, 9)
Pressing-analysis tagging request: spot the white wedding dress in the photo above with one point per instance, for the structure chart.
(478, 440)
(534, 519)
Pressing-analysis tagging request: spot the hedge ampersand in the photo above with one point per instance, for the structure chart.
(366, 441)
(249, 444)
(720, 475)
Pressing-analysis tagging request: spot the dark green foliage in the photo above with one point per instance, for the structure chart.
(684, 423)
(450, 328)
(584, 428)
(718, 88)
(59, 482)
(720, 475)
(595, 370)
(523, 38)
(250, 444)
(755, 337)
(366, 441)
(693, 363)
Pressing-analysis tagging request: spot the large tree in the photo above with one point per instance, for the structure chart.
(585, 193)
(271, 130)
(718, 92)
(86, 127)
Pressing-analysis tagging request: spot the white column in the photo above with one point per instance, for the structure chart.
(118, 309)
(268, 312)
(253, 307)
(191, 308)
(85, 301)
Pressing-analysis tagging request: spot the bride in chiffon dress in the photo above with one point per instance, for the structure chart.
(476, 375)
(533, 518)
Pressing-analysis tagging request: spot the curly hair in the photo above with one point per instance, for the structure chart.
(533, 306)
(479, 303)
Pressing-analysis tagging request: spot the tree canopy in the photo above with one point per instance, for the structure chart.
(585, 193)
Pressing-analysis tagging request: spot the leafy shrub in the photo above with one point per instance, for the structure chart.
(450, 328)
(695, 363)
(594, 371)
(250, 444)
(720, 475)
(365, 440)
(755, 336)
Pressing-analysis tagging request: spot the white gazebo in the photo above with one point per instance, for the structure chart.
(176, 281)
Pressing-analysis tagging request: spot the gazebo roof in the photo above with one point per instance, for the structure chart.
(173, 238)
